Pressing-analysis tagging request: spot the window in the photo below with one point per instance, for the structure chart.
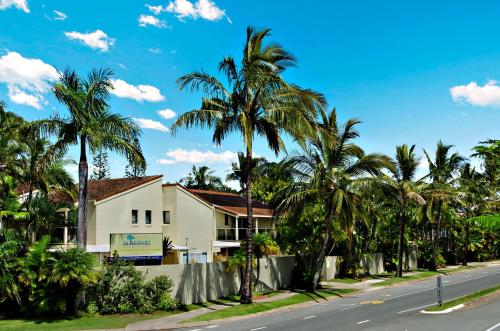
(166, 217)
(134, 216)
(226, 219)
(148, 217)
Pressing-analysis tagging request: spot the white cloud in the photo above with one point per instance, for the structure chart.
(194, 156)
(97, 39)
(150, 124)
(155, 9)
(155, 50)
(140, 93)
(145, 20)
(167, 113)
(476, 95)
(60, 16)
(20, 97)
(19, 4)
(27, 79)
(205, 9)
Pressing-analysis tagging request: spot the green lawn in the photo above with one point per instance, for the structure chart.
(464, 299)
(346, 280)
(253, 308)
(86, 322)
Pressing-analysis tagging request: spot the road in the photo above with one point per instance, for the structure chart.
(390, 308)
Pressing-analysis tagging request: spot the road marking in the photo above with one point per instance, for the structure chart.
(308, 317)
(195, 330)
(449, 284)
(347, 308)
(212, 326)
(365, 321)
(493, 327)
(262, 327)
(407, 310)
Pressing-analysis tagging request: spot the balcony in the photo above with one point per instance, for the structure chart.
(230, 233)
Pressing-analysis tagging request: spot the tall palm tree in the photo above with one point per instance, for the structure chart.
(256, 102)
(327, 172)
(442, 171)
(89, 124)
(404, 190)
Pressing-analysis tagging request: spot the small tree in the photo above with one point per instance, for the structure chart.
(136, 167)
(101, 166)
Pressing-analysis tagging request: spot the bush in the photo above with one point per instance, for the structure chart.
(120, 288)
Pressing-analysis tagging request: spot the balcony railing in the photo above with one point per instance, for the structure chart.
(230, 233)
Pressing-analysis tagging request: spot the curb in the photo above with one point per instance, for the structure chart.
(446, 311)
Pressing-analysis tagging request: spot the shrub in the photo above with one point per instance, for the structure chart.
(120, 288)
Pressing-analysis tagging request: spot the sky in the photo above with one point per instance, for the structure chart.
(413, 73)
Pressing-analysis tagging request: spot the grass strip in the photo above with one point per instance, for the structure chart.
(420, 275)
(346, 280)
(253, 308)
(395, 280)
(464, 299)
(88, 321)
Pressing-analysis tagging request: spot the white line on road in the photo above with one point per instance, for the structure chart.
(407, 310)
(262, 327)
(347, 308)
(212, 326)
(308, 317)
(195, 330)
(493, 327)
(365, 321)
(449, 284)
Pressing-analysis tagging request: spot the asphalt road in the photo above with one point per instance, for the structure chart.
(391, 308)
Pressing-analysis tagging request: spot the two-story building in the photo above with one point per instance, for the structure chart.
(202, 225)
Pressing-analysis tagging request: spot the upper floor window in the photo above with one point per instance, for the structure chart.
(166, 217)
(134, 216)
(148, 217)
(226, 219)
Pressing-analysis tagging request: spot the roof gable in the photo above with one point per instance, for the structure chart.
(105, 188)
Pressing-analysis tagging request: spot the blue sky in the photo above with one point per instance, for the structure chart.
(413, 73)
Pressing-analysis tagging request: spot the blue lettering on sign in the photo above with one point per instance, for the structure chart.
(131, 241)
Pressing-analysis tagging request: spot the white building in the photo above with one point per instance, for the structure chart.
(202, 225)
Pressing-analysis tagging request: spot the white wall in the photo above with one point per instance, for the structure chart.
(191, 218)
(114, 215)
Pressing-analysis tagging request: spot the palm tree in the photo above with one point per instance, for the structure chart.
(239, 169)
(43, 167)
(256, 102)
(264, 245)
(404, 190)
(71, 270)
(91, 125)
(203, 178)
(327, 172)
(441, 173)
(473, 190)
(11, 147)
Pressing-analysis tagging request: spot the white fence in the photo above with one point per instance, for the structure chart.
(209, 281)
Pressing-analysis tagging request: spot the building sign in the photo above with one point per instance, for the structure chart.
(135, 246)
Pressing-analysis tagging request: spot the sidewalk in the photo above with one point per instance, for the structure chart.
(171, 322)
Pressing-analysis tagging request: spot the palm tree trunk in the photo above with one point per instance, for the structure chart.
(402, 226)
(466, 245)
(246, 296)
(435, 242)
(83, 173)
(321, 257)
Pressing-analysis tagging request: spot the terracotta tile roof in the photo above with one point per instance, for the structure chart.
(102, 189)
(54, 196)
(233, 203)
